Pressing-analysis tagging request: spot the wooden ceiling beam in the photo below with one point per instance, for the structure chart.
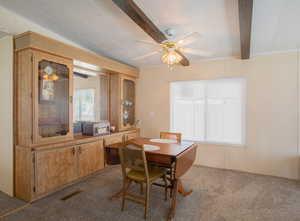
(139, 17)
(245, 20)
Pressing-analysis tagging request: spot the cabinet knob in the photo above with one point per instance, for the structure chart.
(79, 150)
(73, 150)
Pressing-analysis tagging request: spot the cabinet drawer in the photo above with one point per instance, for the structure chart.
(113, 139)
(132, 135)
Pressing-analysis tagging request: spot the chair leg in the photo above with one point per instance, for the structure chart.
(123, 195)
(126, 185)
(142, 188)
(147, 199)
(166, 186)
(171, 189)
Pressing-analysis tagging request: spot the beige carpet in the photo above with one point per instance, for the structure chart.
(219, 195)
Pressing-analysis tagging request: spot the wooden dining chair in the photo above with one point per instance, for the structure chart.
(171, 136)
(135, 168)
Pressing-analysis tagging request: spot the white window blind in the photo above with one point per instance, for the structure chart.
(210, 111)
(84, 104)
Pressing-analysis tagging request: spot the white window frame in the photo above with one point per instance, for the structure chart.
(243, 104)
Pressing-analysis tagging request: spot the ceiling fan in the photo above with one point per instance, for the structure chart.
(173, 50)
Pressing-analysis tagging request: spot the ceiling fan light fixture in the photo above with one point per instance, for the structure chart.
(171, 58)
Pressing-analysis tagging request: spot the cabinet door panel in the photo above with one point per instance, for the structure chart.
(122, 101)
(128, 103)
(55, 168)
(91, 158)
(52, 98)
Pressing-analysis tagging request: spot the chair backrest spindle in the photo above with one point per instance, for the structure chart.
(171, 136)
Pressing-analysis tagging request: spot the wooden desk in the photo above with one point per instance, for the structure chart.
(181, 155)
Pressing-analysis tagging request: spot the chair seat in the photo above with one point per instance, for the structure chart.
(154, 174)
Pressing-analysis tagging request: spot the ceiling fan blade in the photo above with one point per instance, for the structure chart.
(150, 43)
(147, 55)
(196, 52)
(184, 61)
(139, 17)
(188, 39)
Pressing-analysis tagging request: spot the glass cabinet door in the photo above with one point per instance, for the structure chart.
(53, 100)
(128, 102)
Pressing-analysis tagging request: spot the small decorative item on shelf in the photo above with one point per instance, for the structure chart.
(137, 123)
(48, 76)
(112, 129)
(47, 90)
(127, 103)
(125, 115)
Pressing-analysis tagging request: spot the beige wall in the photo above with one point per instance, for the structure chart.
(6, 115)
(271, 113)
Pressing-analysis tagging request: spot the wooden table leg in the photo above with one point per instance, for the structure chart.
(177, 188)
(174, 199)
(181, 189)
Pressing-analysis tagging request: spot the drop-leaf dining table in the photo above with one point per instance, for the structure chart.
(180, 156)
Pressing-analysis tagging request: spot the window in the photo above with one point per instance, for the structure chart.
(84, 105)
(209, 111)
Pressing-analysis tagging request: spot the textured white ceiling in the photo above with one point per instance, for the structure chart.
(103, 28)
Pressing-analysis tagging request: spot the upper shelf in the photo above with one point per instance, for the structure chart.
(43, 43)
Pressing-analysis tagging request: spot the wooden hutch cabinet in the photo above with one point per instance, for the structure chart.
(122, 99)
(48, 156)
